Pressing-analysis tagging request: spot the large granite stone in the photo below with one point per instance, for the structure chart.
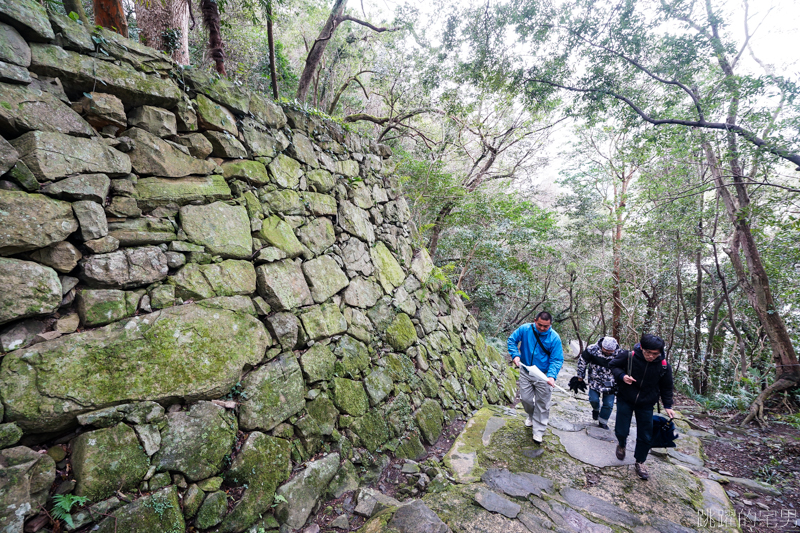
(286, 329)
(197, 144)
(280, 234)
(267, 111)
(318, 363)
(125, 269)
(516, 485)
(302, 493)
(491, 501)
(91, 219)
(101, 110)
(195, 442)
(401, 334)
(103, 306)
(259, 142)
(228, 278)
(181, 352)
(262, 464)
(70, 34)
(153, 156)
(13, 48)
(28, 17)
(286, 202)
(249, 171)
(223, 229)
(29, 289)
(25, 478)
(323, 321)
(275, 392)
(82, 73)
(355, 221)
(388, 271)
(31, 221)
(159, 511)
(285, 172)
(429, 418)
(350, 396)
(8, 156)
(422, 265)
(51, 155)
(107, 460)
(302, 149)
(416, 517)
(92, 187)
(141, 231)
(214, 117)
(356, 257)
(318, 235)
(283, 285)
(320, 180)
(362, 293)
(225, 145)
(155, 120)
(320, 204)
(156, 192)
(28, 108)
(324, 277)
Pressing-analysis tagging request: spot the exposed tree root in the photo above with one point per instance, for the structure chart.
(756, 411)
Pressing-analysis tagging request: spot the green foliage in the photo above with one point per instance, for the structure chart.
(159, 504)
(278, 499)
(63, 504)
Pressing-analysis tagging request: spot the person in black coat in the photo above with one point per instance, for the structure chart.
(643, 376)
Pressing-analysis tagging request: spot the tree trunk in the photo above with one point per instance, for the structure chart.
(110, 14)
(273, 69)
(77, 7)
(755, 284)
(318, 48)
(164, 25)
(438, 226)
(212, 23)
(695, 365)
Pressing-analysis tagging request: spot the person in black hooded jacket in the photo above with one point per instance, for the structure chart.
(643, 376)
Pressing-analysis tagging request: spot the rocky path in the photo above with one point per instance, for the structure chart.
(495, 479)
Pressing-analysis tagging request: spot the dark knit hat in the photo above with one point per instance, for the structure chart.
(652, 342)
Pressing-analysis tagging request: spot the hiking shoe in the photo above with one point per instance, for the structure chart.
(537, 438)
(528, 422)
(621, 453)
(603, 425)
(595, 415)
(641, 471)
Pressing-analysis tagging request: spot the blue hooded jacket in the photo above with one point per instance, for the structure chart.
(530, 353)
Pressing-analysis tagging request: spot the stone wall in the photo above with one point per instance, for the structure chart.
(199, 289)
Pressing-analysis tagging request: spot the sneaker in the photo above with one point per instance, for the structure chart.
(621, 453)
(595, 415)
(641, 471)
(528, 422)
(603, 425)
(537, 438)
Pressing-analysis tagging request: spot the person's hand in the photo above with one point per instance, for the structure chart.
(516, 361)
(670, 412)
(551, 382)
(628, 379)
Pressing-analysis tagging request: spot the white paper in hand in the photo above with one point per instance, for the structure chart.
(535, 372)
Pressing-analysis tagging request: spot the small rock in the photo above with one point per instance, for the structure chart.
(732, 493)
(762, 506)
(495, 503)
(341, 522)
(747, 503)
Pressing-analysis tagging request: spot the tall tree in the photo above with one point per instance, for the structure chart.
(111, 14)
(164, 25)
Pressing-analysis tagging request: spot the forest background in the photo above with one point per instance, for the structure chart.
(628, 166)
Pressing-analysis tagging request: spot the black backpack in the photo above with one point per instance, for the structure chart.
(664, 432)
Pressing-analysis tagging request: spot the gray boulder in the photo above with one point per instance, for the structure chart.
(92, 187)
(355, 221)
(156, 192)
(91, 218)
(152, 156)
(304, 491)
(13, 48)
(29, 289)
(416, 517)
(101, 110)
(223, 229)
(181, 352)
(104, 306)
(29, 18)
(285, 327)
(323, 321)
(61, 256)
(30, 109)
(225, 145)
(125, 269)
(318, 235)
(275, 392)
(8, 156)
(30, 221)
(283, 285)
(228, 278)
(51, 155)
(195, 442)
(159, 511)
(155, 120)
(83, 73)
(324, 277)
(25, 479)
(107, 460)
(141, 231)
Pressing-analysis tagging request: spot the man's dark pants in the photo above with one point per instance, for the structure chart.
(644, 427)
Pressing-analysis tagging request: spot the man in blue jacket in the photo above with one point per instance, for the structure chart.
(537, 345)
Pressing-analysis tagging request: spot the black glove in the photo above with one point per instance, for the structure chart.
(576, 384)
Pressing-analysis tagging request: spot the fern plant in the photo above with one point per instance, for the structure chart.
(62, 506)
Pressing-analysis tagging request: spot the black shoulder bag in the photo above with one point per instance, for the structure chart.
(539, 341)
